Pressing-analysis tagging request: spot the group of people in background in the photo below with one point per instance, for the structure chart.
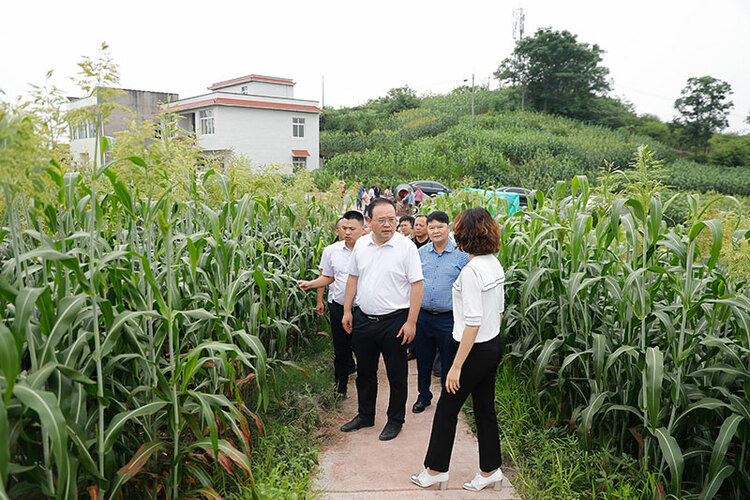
(409, 281)
(406, 200)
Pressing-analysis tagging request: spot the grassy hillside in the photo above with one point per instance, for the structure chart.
(501, 146)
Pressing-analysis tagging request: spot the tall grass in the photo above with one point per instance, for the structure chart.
(134, 330)
(632, 332)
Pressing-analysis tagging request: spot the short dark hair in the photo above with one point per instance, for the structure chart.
(336, 224)
(476, 232)
(420, 215)
(353, 215)
(378, 201)
(438, 216)
(407, 218)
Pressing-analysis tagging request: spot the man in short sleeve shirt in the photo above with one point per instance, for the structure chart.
(334, 272)
(385, 277)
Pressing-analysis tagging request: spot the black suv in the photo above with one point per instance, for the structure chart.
(430, 188)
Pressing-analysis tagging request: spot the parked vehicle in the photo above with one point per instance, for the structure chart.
(430, 188)
(522, 194)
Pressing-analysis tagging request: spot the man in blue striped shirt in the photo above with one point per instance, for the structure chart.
(441, 264)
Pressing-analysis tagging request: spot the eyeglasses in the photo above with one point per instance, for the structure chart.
(383, 220)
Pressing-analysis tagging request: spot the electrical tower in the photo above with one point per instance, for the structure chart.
(518, 20)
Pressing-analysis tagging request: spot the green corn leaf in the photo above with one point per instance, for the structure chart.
(51, 418)
(672, 453)
(119, 420)
(713, 485)
(10, 362)
(654, 379)
(5, 448)
(540, 367)
(728, 428)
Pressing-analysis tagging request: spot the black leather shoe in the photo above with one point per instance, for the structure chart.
(419, 406)
(356, 423)
(390, 431)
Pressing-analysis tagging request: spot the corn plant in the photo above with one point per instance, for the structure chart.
(635, 338)
(138, 335)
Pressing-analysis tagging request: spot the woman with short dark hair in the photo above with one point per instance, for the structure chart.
(478, 304)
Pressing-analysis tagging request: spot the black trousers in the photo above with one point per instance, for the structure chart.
(434, 334)
(343, 361)
(478, 379)
(371, 338)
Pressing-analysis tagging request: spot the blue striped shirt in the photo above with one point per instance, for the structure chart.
(440, 271)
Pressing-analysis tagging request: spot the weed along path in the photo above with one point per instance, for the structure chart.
(356, 465)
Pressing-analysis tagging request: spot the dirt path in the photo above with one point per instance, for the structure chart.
(356, 465)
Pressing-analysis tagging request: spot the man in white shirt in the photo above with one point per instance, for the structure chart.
(385, 277)
(334, 271)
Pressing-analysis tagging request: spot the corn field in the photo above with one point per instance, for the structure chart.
(138, 337)
(634, 335)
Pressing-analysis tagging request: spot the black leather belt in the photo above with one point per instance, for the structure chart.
(383, 317)
(436, 313)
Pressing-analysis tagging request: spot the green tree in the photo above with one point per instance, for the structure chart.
(398, 99)
(559, 74)
(703, 108)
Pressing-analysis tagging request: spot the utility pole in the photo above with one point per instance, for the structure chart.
(322, 92)
(472, 96)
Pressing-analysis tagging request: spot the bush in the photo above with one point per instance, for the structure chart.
(687, 175)
(730, 150)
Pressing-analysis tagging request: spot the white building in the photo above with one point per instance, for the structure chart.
(138, 104)
(254, 116)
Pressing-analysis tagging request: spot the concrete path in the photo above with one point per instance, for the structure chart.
(356, 465)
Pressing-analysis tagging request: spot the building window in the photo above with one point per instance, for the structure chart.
(299, 163)
(298, 127)
(244, 89)
(206, 121)
(83, 130)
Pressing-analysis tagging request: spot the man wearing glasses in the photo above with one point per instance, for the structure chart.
(385, 276)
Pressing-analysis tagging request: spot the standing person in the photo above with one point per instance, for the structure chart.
(388, 194)
(418, 195)
(320, 307)
(420, 236)
(441, 264)
(366, 199)
(377, 190)
(478, 304)
(334, 272)
(385, 276)
(360, 192)
(371, 192)
(406, 226)
(410, 200)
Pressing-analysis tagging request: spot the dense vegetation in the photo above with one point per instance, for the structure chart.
(139, 333)
(632, 334)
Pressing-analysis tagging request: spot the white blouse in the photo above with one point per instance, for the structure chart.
(479, 298)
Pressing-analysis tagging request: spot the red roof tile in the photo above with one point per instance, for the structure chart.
(300, 152)
(242, 103)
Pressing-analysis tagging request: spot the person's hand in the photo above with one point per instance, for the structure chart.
(320, 308)
(408, 331)
(304, 285)
(452, 380)
(346, 322)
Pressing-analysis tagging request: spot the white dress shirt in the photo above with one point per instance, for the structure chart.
(479, 298)
(385, 273)
(335, 264)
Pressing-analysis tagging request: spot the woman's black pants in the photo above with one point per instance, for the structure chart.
(478, 379)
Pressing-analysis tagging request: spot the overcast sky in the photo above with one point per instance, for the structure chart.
(365, 48)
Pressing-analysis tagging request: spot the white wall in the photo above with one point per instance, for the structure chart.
(261, 88)
(263, 135)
